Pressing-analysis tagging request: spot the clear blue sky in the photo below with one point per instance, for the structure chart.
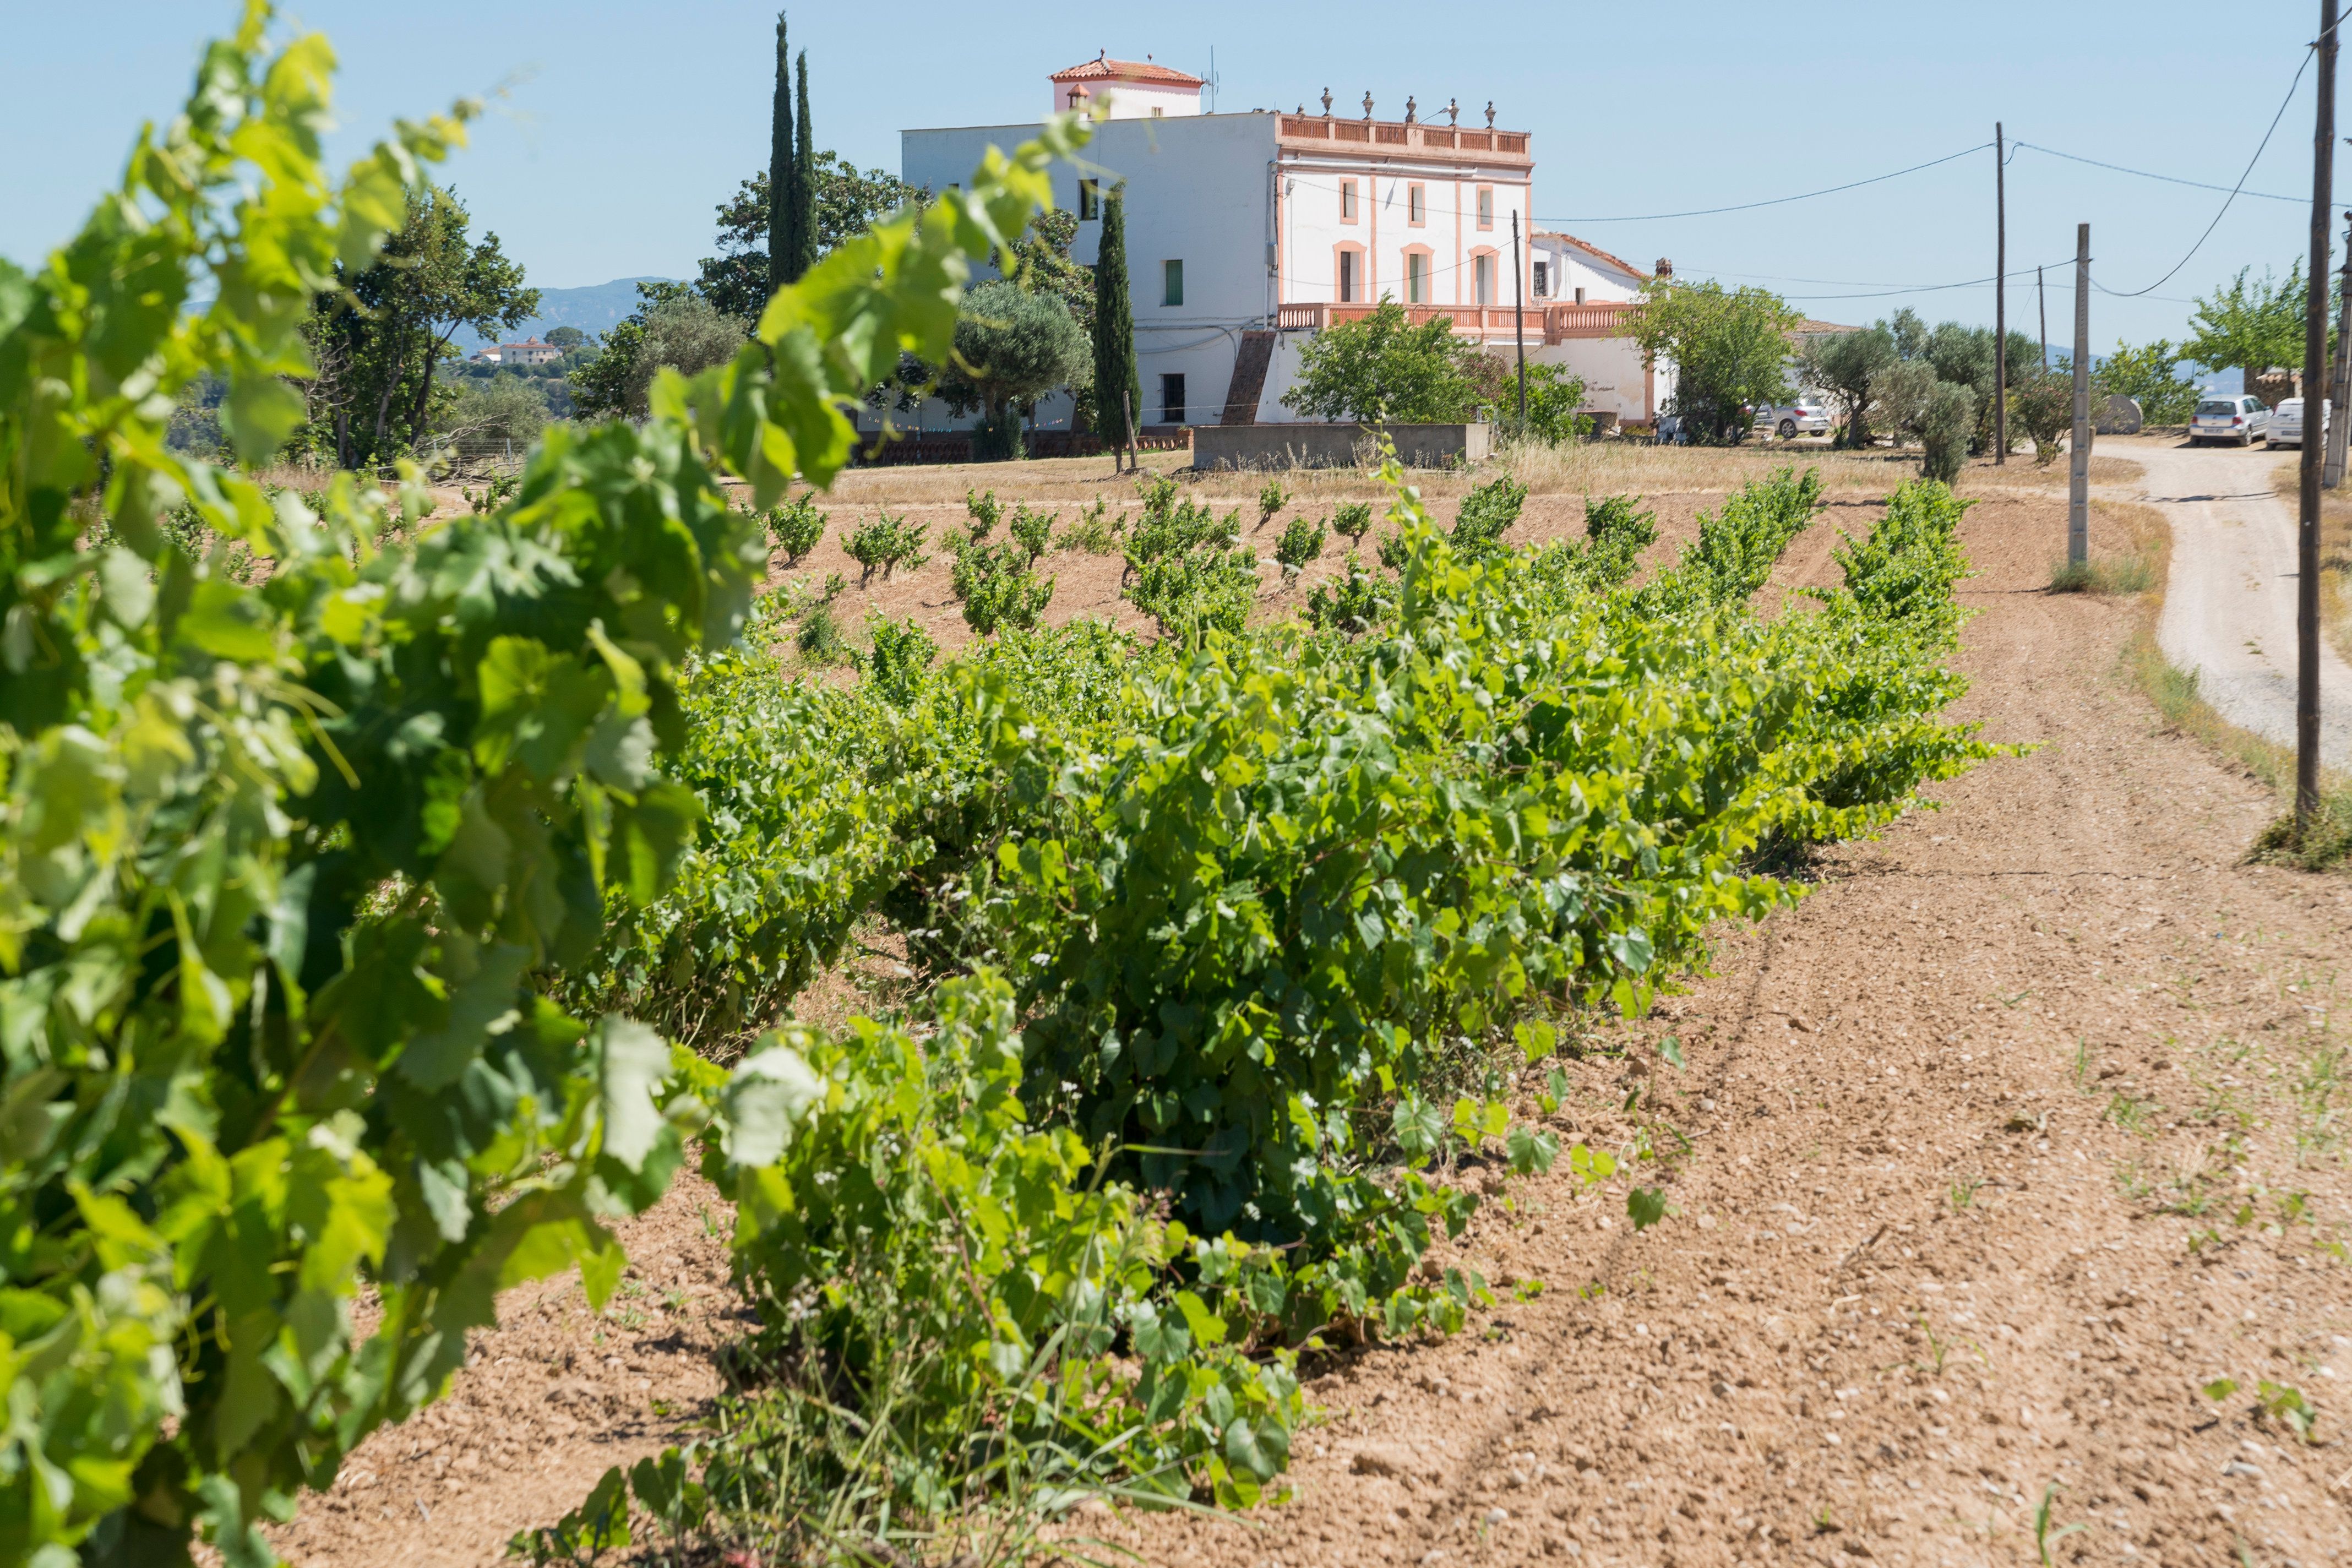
(621, 126)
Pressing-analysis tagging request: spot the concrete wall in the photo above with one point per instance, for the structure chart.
(1614, 376)
(1320, 445)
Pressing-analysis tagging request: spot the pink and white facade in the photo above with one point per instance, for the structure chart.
(1247, 233)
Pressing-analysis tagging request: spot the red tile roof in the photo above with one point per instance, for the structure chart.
(1102, 67)
(1592, 249)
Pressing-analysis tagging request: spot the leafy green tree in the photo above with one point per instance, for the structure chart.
(2045, 409)
(783, 242)
(1380, 368)
(504, 407)
(1963, 355)
(845, 202)
(1011, 347)
(673, 327)
(1841, 367)
(1554, 395)
(387, 328)
(1117, 385)
(2250, 326)
(2150, 375)
(566, 338)
(1729, 349)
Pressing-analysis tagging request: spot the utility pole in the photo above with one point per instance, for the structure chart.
(2340, 385)
(2315, 371)
(2078, 450)
(1519, 321)
(2042, 309)
(1999, 300)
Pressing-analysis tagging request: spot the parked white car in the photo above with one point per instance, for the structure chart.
(2239, 420)
(1790, 420)
(2287, 422)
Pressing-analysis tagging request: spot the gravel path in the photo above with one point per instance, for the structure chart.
(2228, 608)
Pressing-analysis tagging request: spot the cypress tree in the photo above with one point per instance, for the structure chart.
(1115, 372)
(804, 251)
(782, 247)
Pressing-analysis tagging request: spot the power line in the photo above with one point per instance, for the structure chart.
(2147, 174)
(1776, 201)
(2309, 49)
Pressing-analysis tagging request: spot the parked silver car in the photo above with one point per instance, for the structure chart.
(2234, 419)
(2287, 422)
(1790, 420)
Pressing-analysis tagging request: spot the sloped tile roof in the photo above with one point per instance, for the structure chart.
(1102, 67)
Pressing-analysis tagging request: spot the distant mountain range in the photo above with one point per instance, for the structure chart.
(594, 310)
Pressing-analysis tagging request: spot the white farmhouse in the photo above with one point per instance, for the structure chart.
(1248, 232)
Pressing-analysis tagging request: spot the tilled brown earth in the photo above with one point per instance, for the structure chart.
(2018, 1131)
(1989, 1156)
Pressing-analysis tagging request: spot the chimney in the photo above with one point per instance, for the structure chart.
(1666, 267)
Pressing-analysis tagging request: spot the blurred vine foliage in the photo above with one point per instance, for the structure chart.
(285, 855)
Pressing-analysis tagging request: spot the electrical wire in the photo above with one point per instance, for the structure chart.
(1776, 201)
(2149, 174)
(2309, 50)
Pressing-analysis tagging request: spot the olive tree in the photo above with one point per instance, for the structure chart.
(1841, 367)
(1012, 348)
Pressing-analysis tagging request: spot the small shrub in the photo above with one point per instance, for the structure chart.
(986, 511)
(796, 527)
(1354, 519)
(997, 588)
(999, 439)
(1183, 525)
(1271, 499)
(1158, 493)
(1034, 530)
(1488, 512)
(888, 542)
(1946, 424)
(2044, 408)
(1352, 603)
(1300, 543)
(902, 652)
(1188, 590)
(1615, 535)
(820, 638)
(1394, 551)
(1095, 531)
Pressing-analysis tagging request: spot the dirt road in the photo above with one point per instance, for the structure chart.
(2229, 609)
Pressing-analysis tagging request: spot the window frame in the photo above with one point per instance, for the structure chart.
(1341, 254)
(1172, 283)
(1416, 204)
(1090, 199)
(1427, 281)
(1351, 207)
(1486, 207)
(1183, 397)
(1485, 267)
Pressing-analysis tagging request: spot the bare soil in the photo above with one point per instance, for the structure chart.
(2021, 1129)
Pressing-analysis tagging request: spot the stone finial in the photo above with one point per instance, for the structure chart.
(1367, 106)
(1412, 111)
(1453, 112)
(1327, 103)
(1490, 114)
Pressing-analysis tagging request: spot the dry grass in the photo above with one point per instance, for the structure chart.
(2131, 549)
(2335, 549)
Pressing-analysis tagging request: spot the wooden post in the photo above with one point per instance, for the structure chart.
(1519, 322)
(1127, 402)
(1999, 301)
(2339, 383)
(2314, 377)
(2078, 453)
(2042, 309)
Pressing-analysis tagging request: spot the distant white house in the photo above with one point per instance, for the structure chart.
(1247, 233)
(530, 350)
